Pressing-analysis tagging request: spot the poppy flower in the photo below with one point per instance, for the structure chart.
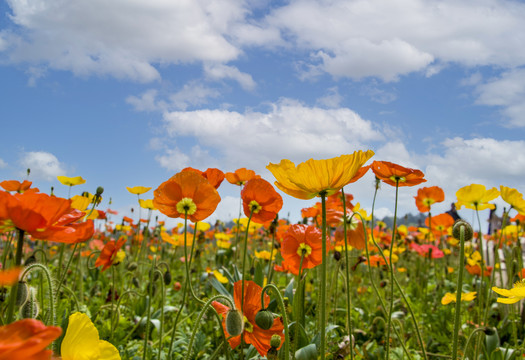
(147, 204)
(241, 176)
(514, 198)
(27, 339)
(376, 260)
(311, 212)
(110, 254)
(71, 181)
(513, 295)
(440, 224)
(397, 175)
(14, 185)
(449, 297)
(82, 341)
(214, 176)
(253, 334)
(302, 241)
(186, 193)
(44, 217)
(138, 190)
(476, 197)
(427, 249)
(10, 276)
(260, 199)
(427, 196)
(355, 235)
(313, 177)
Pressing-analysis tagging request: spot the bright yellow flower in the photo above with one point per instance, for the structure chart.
(265, 254)
(171, 239)
(513, 295)
(313, 177)
(223, 244)
(147, 204)
(80, 202)
(203, 226)
(82, 341)
(449, 297)
(362, 212)
(71, 181)
(514, 198)
(221, 278)
(138, 190)
(476, 197)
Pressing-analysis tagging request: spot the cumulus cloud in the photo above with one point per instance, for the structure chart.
(289, 129)
(43, 165)
(506, 92)
(3, 164)
(220, 71)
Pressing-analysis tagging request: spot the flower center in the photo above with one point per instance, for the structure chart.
(304, 250)
(248, 325)
(255, 207)
(398, 179)
(519, 284)
(186, 206)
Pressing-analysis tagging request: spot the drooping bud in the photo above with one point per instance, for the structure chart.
(234, 322)
(167, 278)
(22, 293)
(30, 260)
(469, 233)
(132, 266)
(264, 319)
(135, 282)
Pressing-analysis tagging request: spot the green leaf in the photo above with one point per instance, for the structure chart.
(218, 286)
(309, 352)
(258, 277)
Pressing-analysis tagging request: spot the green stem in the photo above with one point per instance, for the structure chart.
(347, 265)
(284, 316)
(459, 291)
(244, 275)
(63, 277)
(14, 288)
(323, 276)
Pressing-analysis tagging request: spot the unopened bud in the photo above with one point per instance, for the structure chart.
(264, 319)
(135, 282)
(167, 278)
(275, 342)
(30, 309)
(22, 293)
(132, 266)
(469, 233)
(234, 322)
(100, 190)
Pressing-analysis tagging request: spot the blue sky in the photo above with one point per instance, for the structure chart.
(128, 93)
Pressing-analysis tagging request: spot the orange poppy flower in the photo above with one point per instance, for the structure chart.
(253, 334)
(427, 196)
(14, 185)
(44, 217)
(394, 174)
(109, 253)
(376, 260)
(27, 339)
(261, 200)
(355, 235)
(476, 270)
(311, 212)
(10, 276)
(186, 193)
(302, 240)
(440, 224)
(214, 176)
(241, 176)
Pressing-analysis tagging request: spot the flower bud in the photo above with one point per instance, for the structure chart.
(22, 293)
(132, 266)
(167, 278)
(275, 342)
(30, 260)
(264, 319)
(234, 322)
(469, 233)
(135, 282)
(30, 309)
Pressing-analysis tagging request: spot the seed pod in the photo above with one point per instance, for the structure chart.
(264, 319)
(22, 293)
(469, 233)
(167, 278)
(234, 322)
(30, 309)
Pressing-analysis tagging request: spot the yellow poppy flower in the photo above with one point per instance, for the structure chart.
(514, 198)
(171, 239)
(357, 209)
(71, 181)
(221, 278)
(138, 190)
(203, 226)
(513, 295)
(82, 341)
(80, 202)
(310, 178)
(449, 297)
(476, 197)
(265, 254)
(147, 204)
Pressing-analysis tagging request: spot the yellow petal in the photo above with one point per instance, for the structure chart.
(502, 292)
(508, 300)
(81, 341)
(71, 181)
(108, 351)
(80, 202)
(138, 190)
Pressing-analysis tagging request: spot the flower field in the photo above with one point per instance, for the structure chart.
(78, 281)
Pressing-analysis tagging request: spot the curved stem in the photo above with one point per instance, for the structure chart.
(284, 316)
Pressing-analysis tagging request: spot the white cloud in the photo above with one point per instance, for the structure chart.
(219, 72)
(192, 94)
(43, 165)
(289, 130)
(332, 99)
(3, 164)
(506, 91)
(176, 160)
(145, 102)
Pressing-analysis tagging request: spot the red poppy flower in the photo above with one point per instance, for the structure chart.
(214, 176)
(186, 193)
(261, 200)
(393, 174)
(240, 176)
(302, 241)
(426, 249)
(44, 217)
(27, 339)
(10, 276)
(14, 185)
(427, 196)
(109, 253)
(253, 334)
